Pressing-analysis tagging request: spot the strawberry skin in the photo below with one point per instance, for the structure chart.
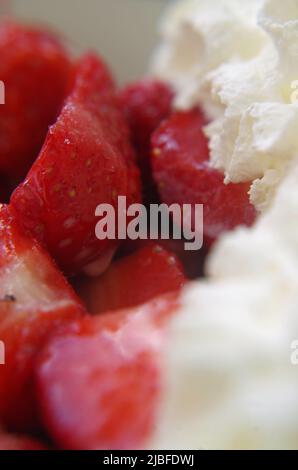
(106, 371)
(146, 103)
(86, 160)
(180, 161)
(34, 300)
(35, 69)
(193, 262)
(149, 272)
(15, 442)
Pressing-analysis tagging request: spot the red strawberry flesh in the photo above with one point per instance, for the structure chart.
(99, 385)
(15, 442)
(35, 69)
(149, 272)
(146, 103)
(181, 168)
(34, 300)
(86, 160)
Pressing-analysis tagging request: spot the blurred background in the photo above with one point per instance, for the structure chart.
(124, 31)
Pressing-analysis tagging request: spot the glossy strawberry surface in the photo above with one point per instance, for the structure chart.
(35, 69)
(99, 385)
(181, 168)
(146, 103)
(86, 160)
(35, 299)
(149, 272)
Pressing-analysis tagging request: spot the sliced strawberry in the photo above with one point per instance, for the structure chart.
(34, 299)
(98, 385)
(86, 160)
(15, 442)
(35, 69)
(146, 103)
(192, 261)
(180, 160)
(133, 280)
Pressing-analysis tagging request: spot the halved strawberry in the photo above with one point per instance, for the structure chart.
(146, 103)
(149, 272)
(15, 442)
(34, 300)
(180, 161)
(86, 160)
(98, 385)
(35, 69)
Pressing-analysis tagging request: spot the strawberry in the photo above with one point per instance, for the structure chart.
(192, 261)
(15, 442)
(86, 160)
(98, 385)
(180, 161)
(149, 272)
(34, 300)
(35, 69)
(146, 103)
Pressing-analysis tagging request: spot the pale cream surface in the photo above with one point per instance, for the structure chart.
(238, 60)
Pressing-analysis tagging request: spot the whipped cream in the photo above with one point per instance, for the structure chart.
(230, 381)
(238, 60)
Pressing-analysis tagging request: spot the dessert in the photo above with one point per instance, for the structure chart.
(122, 351)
